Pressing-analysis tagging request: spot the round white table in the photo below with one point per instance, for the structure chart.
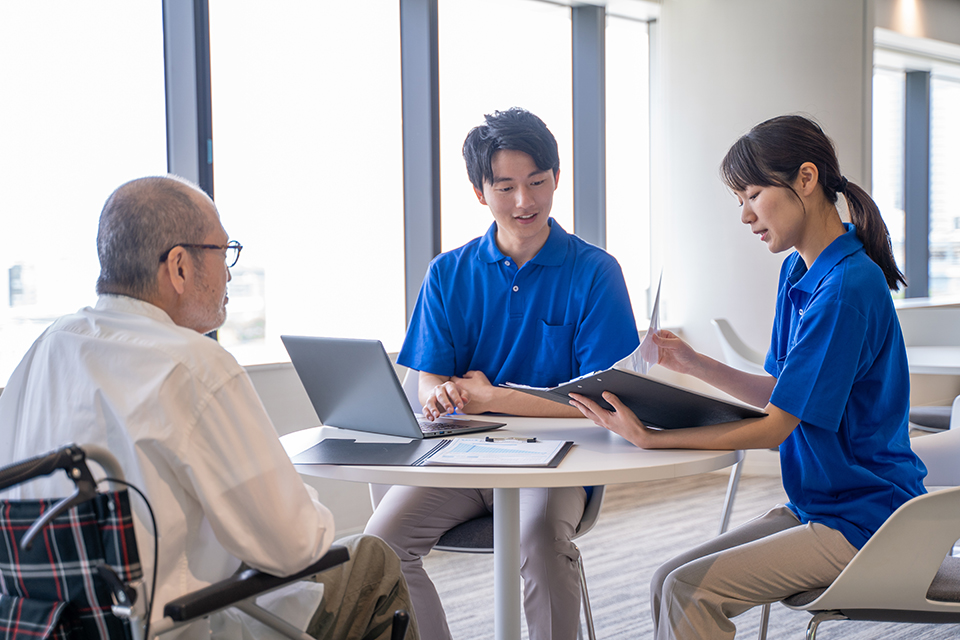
(599, 457)
(944, 361)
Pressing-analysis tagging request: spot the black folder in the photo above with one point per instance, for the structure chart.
(657, 403)
(347, 451)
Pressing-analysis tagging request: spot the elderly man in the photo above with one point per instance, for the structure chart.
(136, 374)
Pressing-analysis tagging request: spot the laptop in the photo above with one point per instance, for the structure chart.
(353, 385)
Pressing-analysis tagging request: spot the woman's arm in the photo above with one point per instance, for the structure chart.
(677, 355)
(753, 433)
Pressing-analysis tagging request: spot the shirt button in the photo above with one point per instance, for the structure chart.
(516, 288)
(801, 312)
(506, 262)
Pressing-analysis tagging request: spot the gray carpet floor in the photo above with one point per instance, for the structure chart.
(641, 526)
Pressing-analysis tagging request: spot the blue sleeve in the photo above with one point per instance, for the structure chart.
(818, 372)
(428, 345)
(607, 331)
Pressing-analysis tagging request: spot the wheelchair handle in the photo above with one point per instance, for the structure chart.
(66, 457)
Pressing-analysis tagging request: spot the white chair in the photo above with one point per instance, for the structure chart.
(476, 536)
(736, 353)
(935, 419)
(904, 573)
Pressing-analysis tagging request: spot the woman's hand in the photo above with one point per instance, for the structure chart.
(677, 355)
(622, 421)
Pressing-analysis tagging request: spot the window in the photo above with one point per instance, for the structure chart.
(944, 186)
(628, 157)
(308, 170)
(894, 56)
(497, 54)
(490, 63)
(888, 97)
(76, 121)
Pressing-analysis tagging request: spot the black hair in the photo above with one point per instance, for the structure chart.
(771, 154)
(515, 129)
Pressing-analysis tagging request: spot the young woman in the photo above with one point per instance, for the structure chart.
(836, 396)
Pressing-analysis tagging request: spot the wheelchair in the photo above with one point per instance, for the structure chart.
(70, 568)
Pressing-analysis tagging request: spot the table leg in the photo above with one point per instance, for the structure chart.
(506, 559)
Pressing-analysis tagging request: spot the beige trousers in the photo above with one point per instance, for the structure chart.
(695, 594)
(412, 520)
(361, 595)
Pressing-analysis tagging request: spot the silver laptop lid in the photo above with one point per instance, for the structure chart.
(352, 384)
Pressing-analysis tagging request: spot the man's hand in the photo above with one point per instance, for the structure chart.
(440, 395)
(481, 393)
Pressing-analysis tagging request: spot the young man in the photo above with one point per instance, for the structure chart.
(525, 303)
(137, 376)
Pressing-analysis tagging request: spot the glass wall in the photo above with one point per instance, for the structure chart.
(944, 186)
(894, 56)
(308, 170)
(888, 110)
(82, 112)
(497, 54)
(628, 157)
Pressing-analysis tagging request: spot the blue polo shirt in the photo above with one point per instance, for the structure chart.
(841, 367)
(566, 313)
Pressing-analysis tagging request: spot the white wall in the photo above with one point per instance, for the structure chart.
(727, 66)
(290, 410)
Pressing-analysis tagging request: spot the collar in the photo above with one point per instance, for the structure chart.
(115, 302)
(808, 280)
(551, 254)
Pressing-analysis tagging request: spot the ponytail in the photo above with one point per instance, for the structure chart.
(771, 154)
(872, 231)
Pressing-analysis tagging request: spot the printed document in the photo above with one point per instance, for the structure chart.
(648, 353)
(497, 452)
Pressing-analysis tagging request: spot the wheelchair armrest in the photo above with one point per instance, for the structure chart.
(243, 585)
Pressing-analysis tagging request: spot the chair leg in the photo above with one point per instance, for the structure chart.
(587, 612)
(819, 617)
(764, 621)
(732, 485)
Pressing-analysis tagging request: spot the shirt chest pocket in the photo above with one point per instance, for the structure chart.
(553, 356)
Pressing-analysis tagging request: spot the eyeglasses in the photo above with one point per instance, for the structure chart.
(232, 248)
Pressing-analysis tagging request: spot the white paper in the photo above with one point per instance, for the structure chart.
(648, 353)
(502, 452)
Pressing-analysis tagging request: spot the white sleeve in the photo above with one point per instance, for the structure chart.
(257, 505)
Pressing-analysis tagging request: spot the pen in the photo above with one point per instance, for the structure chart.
(490, 439)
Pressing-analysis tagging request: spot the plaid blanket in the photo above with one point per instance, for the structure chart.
(53, 590)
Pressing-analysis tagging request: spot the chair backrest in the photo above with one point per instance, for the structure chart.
(955, 414)
(894, 569)
(736, 353)
(411, 386)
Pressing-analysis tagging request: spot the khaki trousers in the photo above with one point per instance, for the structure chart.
(695, 594)
(361, 595)
(412, 520)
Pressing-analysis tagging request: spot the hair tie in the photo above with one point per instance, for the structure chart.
(842, 187)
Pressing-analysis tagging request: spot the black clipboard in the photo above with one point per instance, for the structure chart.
(657, 403)
(347, 451)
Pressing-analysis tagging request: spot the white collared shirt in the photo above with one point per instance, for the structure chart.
(184, 421)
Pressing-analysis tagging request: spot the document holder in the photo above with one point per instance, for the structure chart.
(656, 403)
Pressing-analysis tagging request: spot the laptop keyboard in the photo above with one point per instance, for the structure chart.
(430, 427)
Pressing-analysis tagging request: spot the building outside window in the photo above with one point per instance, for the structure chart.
(894, 56)
(76, 121)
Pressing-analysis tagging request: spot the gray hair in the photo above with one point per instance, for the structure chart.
(140, 220)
